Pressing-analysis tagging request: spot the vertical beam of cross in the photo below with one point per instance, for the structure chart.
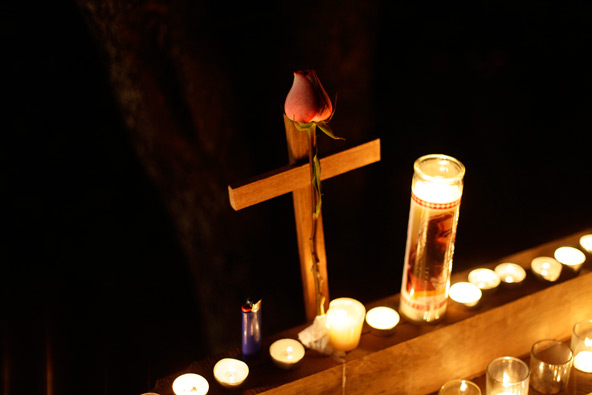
(296, 179)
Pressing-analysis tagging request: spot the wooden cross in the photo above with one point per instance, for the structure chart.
(296, 179)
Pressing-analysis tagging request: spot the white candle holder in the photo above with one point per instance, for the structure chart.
(382, 320)
(230, 372)
(570, 257)
(581, 344)
(510, 273)
(466, 294)
(190, 384)
(586, 242)
(436, 191)
(546, 268)
(287, 353)
(345, 319)
(486, 279)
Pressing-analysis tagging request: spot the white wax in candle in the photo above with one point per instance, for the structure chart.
(583, 361)
(382, 318)
(230, 372)
(484, 278)
(439, 191)
(286, 353)
(190, 384)
(465, 293)
(586, 242)
(510, 272)
(546, 268)
(570, 256)
(345, 319)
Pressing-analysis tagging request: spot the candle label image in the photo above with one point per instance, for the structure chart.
(433, 217)
(428, 260)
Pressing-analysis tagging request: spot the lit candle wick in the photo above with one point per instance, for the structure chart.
(289, 352)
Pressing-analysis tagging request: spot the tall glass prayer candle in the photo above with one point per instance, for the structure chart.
(436, 191)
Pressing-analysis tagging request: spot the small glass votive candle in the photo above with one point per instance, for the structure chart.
(570, 257)
(507, 375)
(382, 320)
(510, 273)
(190, 384)
(467, 294)
(581, 345)
(546, 268)
(230, 372)
(550, 365)
(460, 387)
(345, 319)
(586, 242)
(486, 279)
(286, 353)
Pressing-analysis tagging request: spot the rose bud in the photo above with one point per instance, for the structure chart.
(307, 101)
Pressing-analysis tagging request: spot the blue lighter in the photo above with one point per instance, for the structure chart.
(251, 328)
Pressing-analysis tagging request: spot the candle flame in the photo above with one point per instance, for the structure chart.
(506, 378)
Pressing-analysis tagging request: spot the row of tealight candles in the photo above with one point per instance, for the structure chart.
(483, 280)
(548, 373)
(345, 319)
(231, 373)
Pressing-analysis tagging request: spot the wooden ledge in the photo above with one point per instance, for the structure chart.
(418, 359)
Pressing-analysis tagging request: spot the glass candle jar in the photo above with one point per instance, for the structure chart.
(436, 190)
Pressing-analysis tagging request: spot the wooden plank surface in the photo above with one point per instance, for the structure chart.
(290, 178)
(465, 340)
(462, 349)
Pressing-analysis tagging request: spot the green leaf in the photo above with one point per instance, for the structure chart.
(317, 182)
(304, 127)
(324, 126)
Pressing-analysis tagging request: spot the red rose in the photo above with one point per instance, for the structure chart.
(307, 101)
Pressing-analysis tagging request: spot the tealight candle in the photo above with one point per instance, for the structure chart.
(583, 361)
(460, 387)
(507, 375)
(571, 257)
(586, 242)
(467, 294)
(510, 273)
(345, 319)
(190, 384)
(581, 344)
(286, 353)
(486, 279)
(546, 268)
(230, 372)
(382, 320)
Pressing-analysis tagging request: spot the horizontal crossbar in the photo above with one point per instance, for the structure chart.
(290, 178)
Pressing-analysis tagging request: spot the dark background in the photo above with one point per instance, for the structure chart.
(122, 259)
